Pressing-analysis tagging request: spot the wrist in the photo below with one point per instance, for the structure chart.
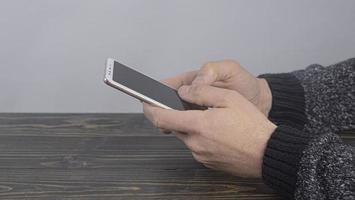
(264, 102)
(286, 104)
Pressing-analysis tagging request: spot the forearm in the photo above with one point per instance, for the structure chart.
(315, 99)
(307, 166)
(317, 103)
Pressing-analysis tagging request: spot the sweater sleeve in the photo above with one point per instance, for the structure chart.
(300, 165)
(316, 99)
(304, 158)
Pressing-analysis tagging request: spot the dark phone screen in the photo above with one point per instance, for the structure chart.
(150, 88)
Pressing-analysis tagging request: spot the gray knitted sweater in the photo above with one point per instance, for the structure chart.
(305, 158)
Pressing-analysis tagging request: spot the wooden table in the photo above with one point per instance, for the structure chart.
(106, 156)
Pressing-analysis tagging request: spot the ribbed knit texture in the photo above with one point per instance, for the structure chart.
(288, 103)
(304, 158)
(282, 157)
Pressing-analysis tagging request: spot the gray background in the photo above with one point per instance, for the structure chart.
(52, 53)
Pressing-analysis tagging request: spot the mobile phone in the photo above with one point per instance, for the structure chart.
(144, 88)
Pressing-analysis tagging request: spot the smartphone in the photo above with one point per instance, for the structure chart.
(144, 88)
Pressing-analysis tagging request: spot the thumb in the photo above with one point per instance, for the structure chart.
(205, 76)
(216, 71)
(206, 95)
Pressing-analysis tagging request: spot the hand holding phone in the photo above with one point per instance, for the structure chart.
(144, 88)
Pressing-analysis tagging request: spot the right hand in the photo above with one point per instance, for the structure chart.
(228, 74)
(230, 136)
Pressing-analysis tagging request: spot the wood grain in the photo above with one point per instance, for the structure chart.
(107, 156)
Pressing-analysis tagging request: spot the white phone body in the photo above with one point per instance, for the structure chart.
(109, 81)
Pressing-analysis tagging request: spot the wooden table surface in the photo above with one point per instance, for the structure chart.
(106, 156)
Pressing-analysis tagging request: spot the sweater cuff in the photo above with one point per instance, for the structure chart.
(282, 157)
(288, 102)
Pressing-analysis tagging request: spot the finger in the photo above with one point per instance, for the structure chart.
(179, 80)
(174, 120)
(216, 71)
(165, 131)
(181, 136)
(191, 141)
(206, 95)
(185, 138)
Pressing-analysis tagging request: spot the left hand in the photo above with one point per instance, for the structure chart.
(230, 136)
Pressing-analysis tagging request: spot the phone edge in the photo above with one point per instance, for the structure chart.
(109, 81)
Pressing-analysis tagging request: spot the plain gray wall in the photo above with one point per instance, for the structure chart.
(52, 53)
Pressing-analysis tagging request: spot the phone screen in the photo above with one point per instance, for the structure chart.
(150, 88)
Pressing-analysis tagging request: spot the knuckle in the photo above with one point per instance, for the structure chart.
(232, 62)
(208, 67)
(195, 90)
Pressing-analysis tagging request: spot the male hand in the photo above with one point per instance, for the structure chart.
(231, 75)
(230, 136)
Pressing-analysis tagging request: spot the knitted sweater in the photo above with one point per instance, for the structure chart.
(305, 158)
